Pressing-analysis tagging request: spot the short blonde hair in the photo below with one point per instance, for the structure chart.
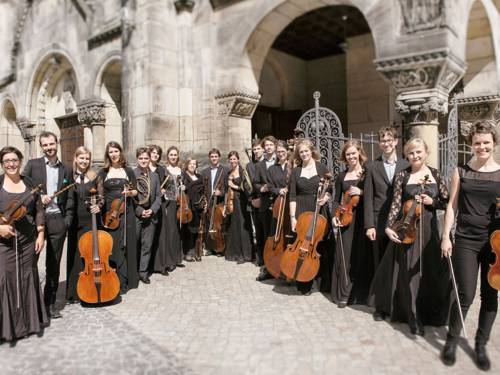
(415, 142)
(89, 173)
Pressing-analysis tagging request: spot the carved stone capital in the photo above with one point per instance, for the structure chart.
(412, 103)
(92, 112)
(27, 128)
(472, 109)
(438, 69)
(236, 104)
(184, 5)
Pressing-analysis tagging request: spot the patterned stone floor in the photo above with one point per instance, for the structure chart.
(214, 318)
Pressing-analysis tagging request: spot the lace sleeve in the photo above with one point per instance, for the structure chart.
(396, 199)
(440, 202)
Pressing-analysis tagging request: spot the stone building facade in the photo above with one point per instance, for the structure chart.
(209, 73)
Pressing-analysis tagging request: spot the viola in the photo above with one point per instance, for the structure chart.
(406, 227)
(275, 244)
(229, 199)
(184, 213)
(115, 212)
(300, 260)
(344, 212)
(98, 282)
(215, 232)
(17, 208)
(494, 271)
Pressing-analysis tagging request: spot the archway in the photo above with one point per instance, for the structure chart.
(109, 90)
(10, 135)
(328, 49)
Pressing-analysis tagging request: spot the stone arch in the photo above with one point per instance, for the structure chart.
(280, 75)
(110, 58)
(10, 134)
(272, 21)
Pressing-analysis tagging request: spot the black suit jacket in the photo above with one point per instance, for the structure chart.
(378, 193)
(262, 178)
(35, 170)
(222, 173)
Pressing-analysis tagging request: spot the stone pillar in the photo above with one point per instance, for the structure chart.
(92, 116)
(28, 132)
(423, 82)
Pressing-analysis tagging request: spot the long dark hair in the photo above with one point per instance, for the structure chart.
(107, 160)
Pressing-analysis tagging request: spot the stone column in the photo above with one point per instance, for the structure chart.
(423, 82)
(92, 116)
(28, 132)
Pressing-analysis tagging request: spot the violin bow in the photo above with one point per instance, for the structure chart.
(420, 222)
(454, 282)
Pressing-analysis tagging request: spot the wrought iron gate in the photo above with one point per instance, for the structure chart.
(448, 145)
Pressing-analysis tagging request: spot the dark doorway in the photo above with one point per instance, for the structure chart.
(275, 121)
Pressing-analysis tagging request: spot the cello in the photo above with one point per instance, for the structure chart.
(215, 234)
(98, 282)
(494, 271)
(200, 239)
(184, 213)
(300, 261)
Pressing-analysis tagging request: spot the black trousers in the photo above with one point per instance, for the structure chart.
(262, 228)
(468, 257)
(145, 231)
(55, 234)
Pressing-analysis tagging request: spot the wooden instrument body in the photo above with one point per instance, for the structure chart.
(275, 244)
(406, 227)
(17, 209)
(200, 239)
(494, 271)
(300, 261)
(98, 282)
(344, 212)
(216, 234)
(115, 213)
(184, 213)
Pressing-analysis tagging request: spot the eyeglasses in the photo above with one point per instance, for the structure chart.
(10, 161)
(383, 141)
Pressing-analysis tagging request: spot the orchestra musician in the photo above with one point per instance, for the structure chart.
(79, 215)
(194, 189)
(146, 210)
(475, 189)
(264, 211)
(169, 253)
(115, 176)
(213, 174)
(239, 238)
(53, 175)
(257, 156)
(304, 182)
(412, 282)
(378, 193)
(22, 309)
(353, 267)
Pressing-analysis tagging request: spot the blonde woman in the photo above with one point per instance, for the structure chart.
(411, 283)
(79, 215)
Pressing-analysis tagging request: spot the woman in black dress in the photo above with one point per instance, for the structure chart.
(239, 234)
(169, 254)
(79, 216)
(114, 176)
(304, 184)
(352, 268)
(22, 310)
(412, 282)
(475, 190)
(194, 184)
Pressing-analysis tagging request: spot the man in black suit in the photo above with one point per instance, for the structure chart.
(258, 155)
(378, 193)
(53, 175)
(217, 175)
(264, 212)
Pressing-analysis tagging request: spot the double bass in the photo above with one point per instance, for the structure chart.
(98, 282)
(494, 271)
(406, 227)
(300, 260)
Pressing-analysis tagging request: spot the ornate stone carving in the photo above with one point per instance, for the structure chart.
(27, 129)
(236, 104)
(413, 78)
(108, 34)
(418, 15)
(92, 112)
(478, 107)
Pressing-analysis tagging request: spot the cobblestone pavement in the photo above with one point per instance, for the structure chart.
(214, 318)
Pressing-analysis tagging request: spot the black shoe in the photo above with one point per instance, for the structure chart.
(53, 313)
(240, 261)
(378, 316)
(171, 268)
(449, 353)
(164, 272)
(145, 280)
(264, 275)
(417, 330)
(123, 290)
(482, 360)
(306, 292)
(189, 258)
(180, 265)
(341, 304)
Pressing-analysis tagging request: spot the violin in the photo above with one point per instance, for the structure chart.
(344, 212)
(406, 227)
(98, 282)
(215, 233)
(17, 208)
(275, 244)
(113, 216)
(184, 213)
(200, 239)
(300, 260)
(494, 271)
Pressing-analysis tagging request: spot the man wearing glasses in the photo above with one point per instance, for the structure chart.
(378, 193)
(53, 175)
